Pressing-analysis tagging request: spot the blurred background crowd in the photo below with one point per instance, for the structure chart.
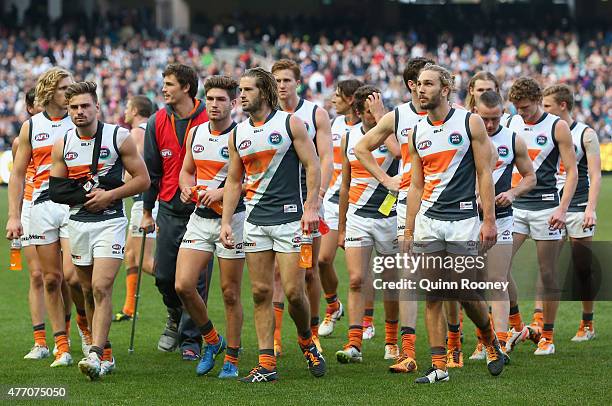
(125, 54)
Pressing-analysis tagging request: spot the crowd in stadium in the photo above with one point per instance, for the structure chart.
(130, 57)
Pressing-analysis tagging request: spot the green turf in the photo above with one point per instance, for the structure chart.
(578, 373)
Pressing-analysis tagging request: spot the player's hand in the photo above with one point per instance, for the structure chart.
(393, 183)
(14, 229)
(406, 242)
(488, 235)
(557, 220)
(376, 106)
(211, 196)
(341, 238)
(186, 195)
(590, 218)
(147, 224)
(226, 236)
(98, 200)
(310, 220)
(504, 199)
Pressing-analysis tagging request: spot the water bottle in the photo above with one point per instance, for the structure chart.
(15, 257)
(306, 251)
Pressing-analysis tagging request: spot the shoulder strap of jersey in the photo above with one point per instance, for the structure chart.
(513, 147)
(115, 139)
(396, 121)
(30, 131)
(552, 131)
(288, 126)
(314, 120)
(93, 168)
(195, 130)
(467, 125)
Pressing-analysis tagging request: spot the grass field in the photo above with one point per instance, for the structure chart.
(576, 374)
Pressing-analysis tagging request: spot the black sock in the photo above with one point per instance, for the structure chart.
(587, 316)
(97, 350)
(407, 330)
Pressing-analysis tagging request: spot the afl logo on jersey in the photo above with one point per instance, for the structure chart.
(41, 137)
(405, 131)
(224, 152)
(244, 144)
(104, 153)
(455, 139)
(424, 145)
(336, 137)
(503, 151)
(165, 153)
(541, 139)
(70, 156)
(275, 138)
(351, 151)
(383, 148)
(198, 148)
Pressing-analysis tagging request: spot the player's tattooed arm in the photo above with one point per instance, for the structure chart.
(591, 149)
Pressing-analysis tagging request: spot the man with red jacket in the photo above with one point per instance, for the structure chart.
(164, 151)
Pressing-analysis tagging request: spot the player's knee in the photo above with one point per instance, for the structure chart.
(230, 296)
(183, 290)
(36, 279)
(294, 294)
(355, 282)
(261, 293)
(325, 261)
(101, 291)
(52, 281)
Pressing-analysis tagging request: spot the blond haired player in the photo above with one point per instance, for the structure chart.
(48, 220)
(287, 74)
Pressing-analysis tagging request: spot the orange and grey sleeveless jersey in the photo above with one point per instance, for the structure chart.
(445, 149)
(512, 121)
(306, 111)
(406, 117)
(44, 130)
(339, 128)
(138, 197)
(211, 157)
(581, 196)
(544, 153)
(504, 142)
(272, 170)
(366, 194)
(78, 153)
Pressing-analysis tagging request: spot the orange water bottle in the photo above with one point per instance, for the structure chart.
(306, 251)
(15, 260)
